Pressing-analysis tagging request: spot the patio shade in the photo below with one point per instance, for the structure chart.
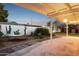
(58, 11)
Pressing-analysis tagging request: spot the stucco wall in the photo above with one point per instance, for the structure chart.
(15, 27)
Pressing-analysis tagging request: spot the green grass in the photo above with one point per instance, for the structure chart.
(70, 34)
(76, 35)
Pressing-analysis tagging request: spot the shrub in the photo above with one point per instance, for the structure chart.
(41, 32)
(1, 34)
(16, 32)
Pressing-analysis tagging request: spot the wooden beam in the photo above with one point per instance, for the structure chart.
(64, 12)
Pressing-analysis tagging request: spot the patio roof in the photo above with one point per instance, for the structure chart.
(59, 11)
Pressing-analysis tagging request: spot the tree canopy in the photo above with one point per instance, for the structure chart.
(3, 13)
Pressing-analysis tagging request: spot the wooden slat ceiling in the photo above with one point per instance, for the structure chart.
(59, 11)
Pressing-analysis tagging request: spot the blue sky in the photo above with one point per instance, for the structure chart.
(22, 15)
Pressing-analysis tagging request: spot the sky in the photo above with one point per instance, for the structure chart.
(21, 15)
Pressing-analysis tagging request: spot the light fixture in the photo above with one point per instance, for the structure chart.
(65, 20)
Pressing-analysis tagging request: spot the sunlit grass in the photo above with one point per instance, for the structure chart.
(70, 34)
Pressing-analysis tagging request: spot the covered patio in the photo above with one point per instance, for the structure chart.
(67, 13)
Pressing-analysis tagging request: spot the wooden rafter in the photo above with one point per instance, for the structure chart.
(64, 12)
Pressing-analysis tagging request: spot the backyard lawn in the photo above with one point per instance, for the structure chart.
(70, 34)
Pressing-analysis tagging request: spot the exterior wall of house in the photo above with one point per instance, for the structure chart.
(17, 27)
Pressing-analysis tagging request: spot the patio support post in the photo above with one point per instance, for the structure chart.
(66, 22)
(51, 30)
(67, 29)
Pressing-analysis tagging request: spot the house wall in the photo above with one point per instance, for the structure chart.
(16, 27)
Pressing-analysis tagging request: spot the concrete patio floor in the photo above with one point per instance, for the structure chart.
(63, 46)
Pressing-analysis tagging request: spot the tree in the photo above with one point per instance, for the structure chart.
(3, 14)
(48, 23)
(3, 18)
(13, 22)
(41, 32)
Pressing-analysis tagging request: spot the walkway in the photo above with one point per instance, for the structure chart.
(55, 47)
